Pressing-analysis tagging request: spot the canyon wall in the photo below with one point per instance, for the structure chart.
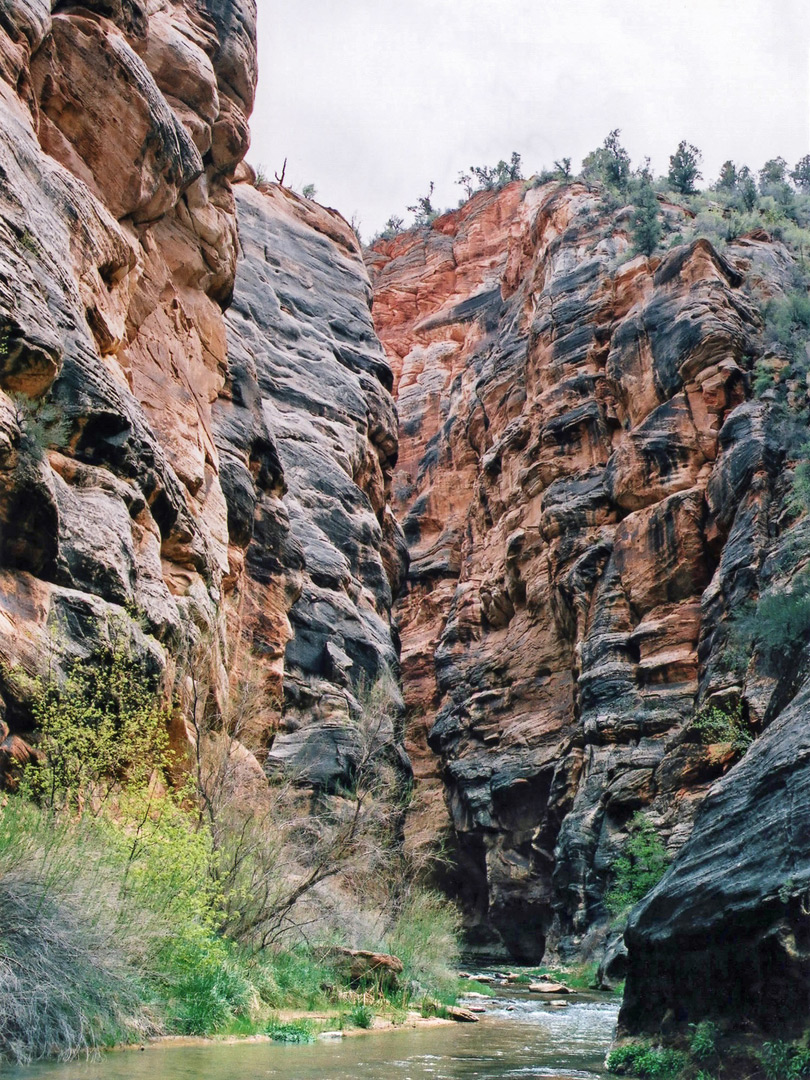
(588, 493)
(210, 501)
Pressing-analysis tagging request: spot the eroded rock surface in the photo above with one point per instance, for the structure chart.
(166, 479)
(586, 492)
(308, 373)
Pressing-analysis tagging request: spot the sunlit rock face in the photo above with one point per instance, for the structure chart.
(308, 377)
(120, 126)
(167, 477)
(586, 492)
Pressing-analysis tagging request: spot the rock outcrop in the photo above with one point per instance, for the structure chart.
(587, 492)
(308, 400)
(168, 480)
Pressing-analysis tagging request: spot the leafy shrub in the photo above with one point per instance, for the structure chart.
(492, 178)
(423, 209)
(716, 725)
(424, 936)
(297, 1031)
(704, 1040)
(781, 1061)
(641, 1059)
(361, 1016)
(780, 622)
(609, 163)
(640, 867)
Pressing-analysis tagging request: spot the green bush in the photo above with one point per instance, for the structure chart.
(640, 867)
(297, 1031)
(704, 1040)
(643, 1060)
(716, 725)
(782, 1061)
(361, 1016)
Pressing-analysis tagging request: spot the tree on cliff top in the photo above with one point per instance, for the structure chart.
(491, 178)
(423, 209)
(683, 168)
(609, 163)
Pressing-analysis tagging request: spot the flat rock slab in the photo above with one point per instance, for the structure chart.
(549, 988)
(461, 1016)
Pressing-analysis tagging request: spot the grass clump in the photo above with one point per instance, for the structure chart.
(643, 1060)
(641, 866)
(361, 1015)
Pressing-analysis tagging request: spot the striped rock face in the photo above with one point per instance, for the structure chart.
(586, 491)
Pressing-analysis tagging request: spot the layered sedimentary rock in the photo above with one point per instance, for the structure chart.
(120, 125)
(586, 492)
(308, 387)
(143, 495)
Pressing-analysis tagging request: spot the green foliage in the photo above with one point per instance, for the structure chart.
(609, 163)
(641, 1059)
(423, 209)
(563, 168)
(717, 725)
(393, 227)
(800, 174)
(102, 730)
(361, 1015)
(640, 867)
(297, 1031)
(424, 935)
(704, 1040)
(782, 1061)
(772, 175)
(645, 227)
(491, 178)
(683, 168)
(780, 622)
(309, 191)
(728, 178)
(41, 422)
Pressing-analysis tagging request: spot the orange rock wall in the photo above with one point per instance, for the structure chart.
(571, 484)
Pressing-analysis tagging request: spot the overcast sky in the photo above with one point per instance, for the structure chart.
(370, 100)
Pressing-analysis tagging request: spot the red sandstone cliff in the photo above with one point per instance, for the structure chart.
(585, 489)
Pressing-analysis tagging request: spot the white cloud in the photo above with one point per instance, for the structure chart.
(371, 99)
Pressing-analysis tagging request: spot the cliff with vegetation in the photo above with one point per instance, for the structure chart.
(593, 496)
(167, 477)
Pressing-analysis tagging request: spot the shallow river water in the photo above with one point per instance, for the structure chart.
(518, 1038)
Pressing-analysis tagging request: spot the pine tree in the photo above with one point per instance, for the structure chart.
(683, 168)
(645, 227)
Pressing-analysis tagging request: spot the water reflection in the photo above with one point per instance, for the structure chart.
(517, 1038)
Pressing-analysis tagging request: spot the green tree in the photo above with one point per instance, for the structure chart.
(728, 178)
(308, 191)
(423, 209)
(772, 172)
(747, 189)
(683, 168)
(645, 228)
(800, 175)
(609, 163)
(563, 167)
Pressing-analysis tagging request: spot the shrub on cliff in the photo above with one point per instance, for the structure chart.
(641, 865)
(423, 209)
(491, 178)
(645, 228)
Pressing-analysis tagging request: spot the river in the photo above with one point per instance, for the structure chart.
(519, 1037)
